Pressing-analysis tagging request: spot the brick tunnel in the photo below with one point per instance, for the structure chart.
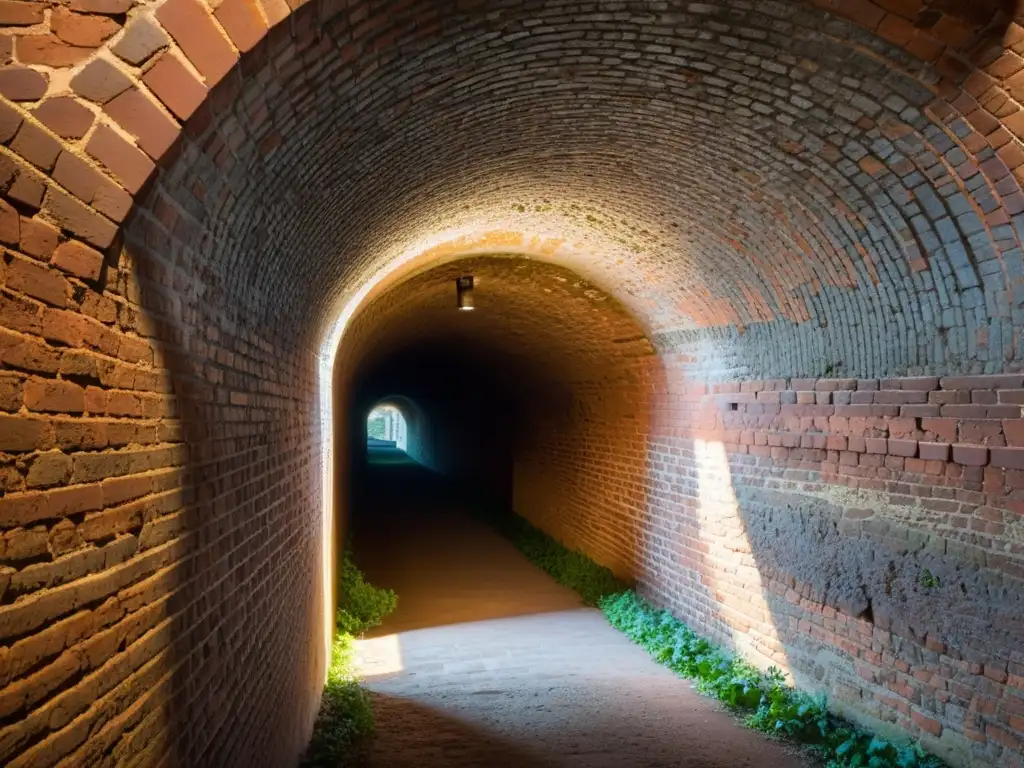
(749, 296)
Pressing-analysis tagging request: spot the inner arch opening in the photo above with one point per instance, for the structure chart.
(386, 427)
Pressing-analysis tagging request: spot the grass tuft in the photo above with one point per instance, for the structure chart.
(345, 719)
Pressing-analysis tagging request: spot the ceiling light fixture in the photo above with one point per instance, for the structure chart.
(464, 293)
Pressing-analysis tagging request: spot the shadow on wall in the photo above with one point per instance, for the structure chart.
(230, 558)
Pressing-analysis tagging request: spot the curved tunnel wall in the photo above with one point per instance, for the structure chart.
(821, 239)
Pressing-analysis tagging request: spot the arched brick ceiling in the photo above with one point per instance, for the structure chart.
(779, 170)
(532, 319)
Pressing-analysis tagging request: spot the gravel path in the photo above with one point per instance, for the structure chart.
(488, 662)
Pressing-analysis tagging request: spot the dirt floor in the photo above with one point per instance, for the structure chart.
(488, 662)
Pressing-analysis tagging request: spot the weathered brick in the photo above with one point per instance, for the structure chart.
(142, 38)
(38, 238)
(75, 217)
(50, 468)
(15, 13)
(22, 84)
(78, 259)
(38, 281)
(80, 29)
(144, 120)
(172, 82)
(21, 433)
(128, 165)
(100, 81)
(199, 37)
(54, 396)
(50, 51)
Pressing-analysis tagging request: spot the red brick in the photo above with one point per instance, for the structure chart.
(175, 85)
(275, 10)
(243, 22)
(49, 50)
(85, 30)
(75, 217)
(997, 381)
(926, 723)
(26, 353)
(1013, 430)
(863, 12)
(1004, 737)
(21, 433)
(1008, 458)
(36, 145)
(875, 445)
(54, 396)
(100, 81)
(199, 37)
(22, 84)
(947, 429)
(934, 451)
(110, 7)
(144, 120)
(78, 259)
(37, 238)
(905, 448)
(38, 282)
(15, 13)
(970, 455)
(10, 225)
(129, 166)
(10, 122)
(65, 117)
(27, 186)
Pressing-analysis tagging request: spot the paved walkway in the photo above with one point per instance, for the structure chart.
(488, 662)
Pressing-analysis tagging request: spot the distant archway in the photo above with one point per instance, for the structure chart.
(386, 428)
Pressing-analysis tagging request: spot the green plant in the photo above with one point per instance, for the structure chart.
(362, 606)
(345, 719)
(929, 580)
(771, 705)
(570, 568)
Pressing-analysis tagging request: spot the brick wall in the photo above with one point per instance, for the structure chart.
(776, 191)
(862, 534)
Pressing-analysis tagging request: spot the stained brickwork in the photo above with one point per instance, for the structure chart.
(780, 192)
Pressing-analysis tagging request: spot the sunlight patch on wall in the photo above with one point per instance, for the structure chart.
(743, 606)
